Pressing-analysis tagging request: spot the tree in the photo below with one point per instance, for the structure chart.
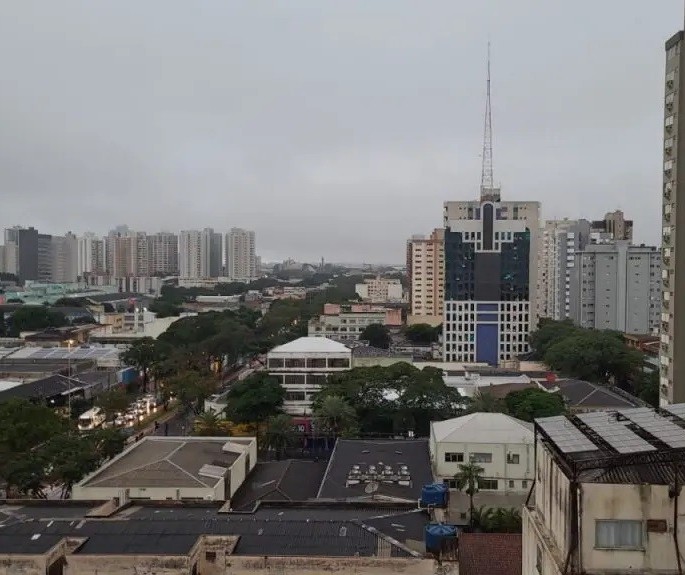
(597, 356)
(191, 388)
(467, 479)
(646, 387)
(34, 318)
(497, 520)
(548, 333)
(377, 335)
(112, 402)
(422, 333)
(255, 399)
(142, 354)
(334, 416)
(70, 457)
(280, 433)
(108, 442)
(209, 424)
(485, 402)
(529, 404)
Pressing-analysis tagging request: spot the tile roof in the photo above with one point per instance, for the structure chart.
(348, 452)
(490, 554)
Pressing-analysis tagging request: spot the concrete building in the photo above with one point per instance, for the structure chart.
(127, 254)
(64, 258)
(617, 286)
(173, 468)
(426, 273)
(500, 444)
(216, 255)
(241, 260)
(491, 268)
(559, 242)
(605, 499)
(303, 366)
(380, 290)
(8, 259)
(91, 255)
(194, 253)
(33, 253)
(163, 254)
(347, 322)
(672, 379)
(614, 227)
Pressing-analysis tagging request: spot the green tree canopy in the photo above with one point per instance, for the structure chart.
(548, 333)
(377, 335)
(255, 399)
(280, 433)
(113, 401)
(334, 416)
(142, 354)
(529, 404)
(467, 479)
(422, 333)
(35, 317)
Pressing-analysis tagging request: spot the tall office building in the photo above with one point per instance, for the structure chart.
(616, 286)
(8, 259)
(559, 242)
(672, 380)
(241, 260)
(490, 270)
(33, 253)
(426, 273)
(64, 258)
(163, 254)
(194, 253)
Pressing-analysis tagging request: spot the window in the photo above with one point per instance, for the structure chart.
(454, 457)
(511, 485)
(294, 396)
(294, 362)
(210, 556)
(338, 362)
(316, 362)
(524, 484)
(488, 484)
(451, 483)
(618, 534)
(274, 363)
(513, 458)
(481, 458)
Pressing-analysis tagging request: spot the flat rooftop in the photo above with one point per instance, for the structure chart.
(631, 445)
(323, 529)
(368, 469)
(164, 462)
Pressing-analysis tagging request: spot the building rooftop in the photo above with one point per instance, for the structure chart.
(311, 345)
(320, 530)
(483, 428)
(64, 353)
(383, 468)
(288, 480)
(633, 445)
(370, 351)
(490, 553)
(166, 462)
(586, 395)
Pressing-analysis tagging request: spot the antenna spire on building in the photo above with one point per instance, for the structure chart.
(487, 184)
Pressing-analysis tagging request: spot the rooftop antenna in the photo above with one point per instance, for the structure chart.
(487, 186)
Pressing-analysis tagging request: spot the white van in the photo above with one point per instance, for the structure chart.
(91, 419)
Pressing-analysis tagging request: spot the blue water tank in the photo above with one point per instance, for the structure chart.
(436, 534)
(435, 495)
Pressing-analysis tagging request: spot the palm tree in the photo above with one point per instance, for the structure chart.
(507, 520)
(208, 424)
(485, 402)
(279, 433)
(467, 479)
(336, 417)
(482, 518)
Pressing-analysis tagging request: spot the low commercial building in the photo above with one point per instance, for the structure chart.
(470, 381)
(303, 366)
(500, 444)
(347, 322)
(607, 493)
(173, 468)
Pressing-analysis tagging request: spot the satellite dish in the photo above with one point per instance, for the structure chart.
(371, 487)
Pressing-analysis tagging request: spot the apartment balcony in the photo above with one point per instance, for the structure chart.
(668, 168)
(670, 79)
(668, 189)
(670, 99)
(668, 123)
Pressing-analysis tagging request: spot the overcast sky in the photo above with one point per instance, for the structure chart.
(331, 128)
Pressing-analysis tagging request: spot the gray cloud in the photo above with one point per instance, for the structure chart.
(332, 128)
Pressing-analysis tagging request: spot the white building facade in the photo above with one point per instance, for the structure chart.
(194, 247)
(500, 444)
(426, 273)
(302, 366)
(241, 259)
(380, 290)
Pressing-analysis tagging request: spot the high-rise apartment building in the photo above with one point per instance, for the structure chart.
(91, 255)
(64, 258)
(617, 286)
(194, 249)
(216, 255)
(241, 259)
(490, 278)
(559, 242)
(614, 226)
(33, 253)
(426, 273)
(8, 259)
(672, 381)
(163, 254)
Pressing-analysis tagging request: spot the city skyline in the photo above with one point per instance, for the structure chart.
(343, 133)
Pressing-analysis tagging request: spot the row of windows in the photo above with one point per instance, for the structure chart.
(458, 457)
(503, 306)
(301, 363)
(487, 485)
